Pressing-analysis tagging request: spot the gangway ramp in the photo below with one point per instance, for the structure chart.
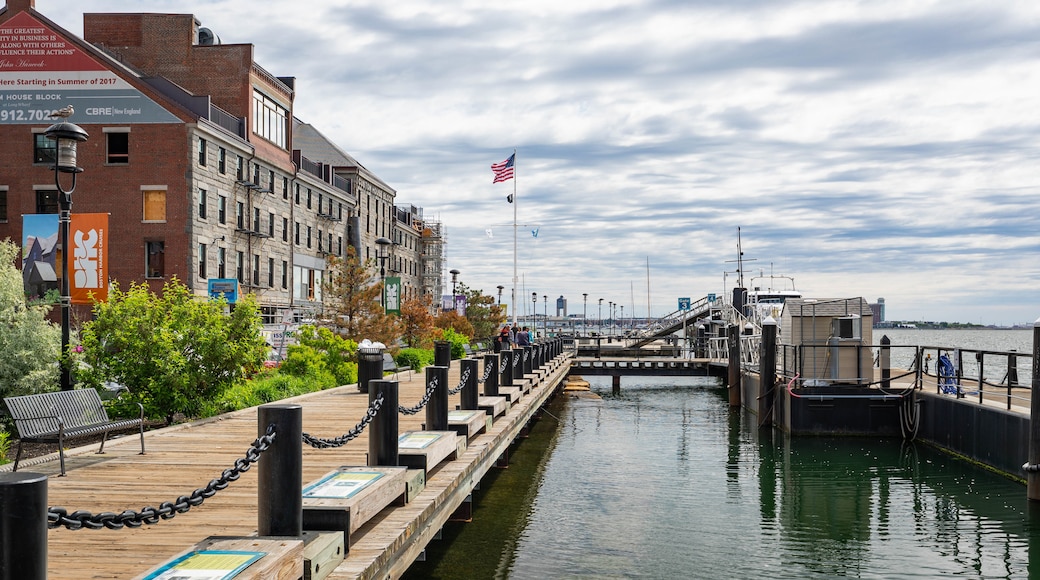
(675, 321)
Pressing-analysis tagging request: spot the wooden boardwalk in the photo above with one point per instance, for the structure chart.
(186, 457)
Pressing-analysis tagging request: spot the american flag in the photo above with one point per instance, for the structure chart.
(503, 170)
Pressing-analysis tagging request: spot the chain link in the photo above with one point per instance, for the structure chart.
(527, 354)
(502, 368)
(426, 399)
(487, 372)
(373, 410)
(462, 383)
(59, 516)
(516, 360)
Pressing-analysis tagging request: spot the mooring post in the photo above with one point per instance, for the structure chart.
(1033, 466)
(767, 373)
(437, 407)
(702, 341)
(23, 526)
(615, 384)
(1012, 368)
(734, 365)
(382, 436)
(468, 395)
(442, 353)
(886, 362)
(280, 472)
(528, 364)
(491, 383)
(370, 366)
(507, 372)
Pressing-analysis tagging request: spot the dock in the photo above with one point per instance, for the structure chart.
(185, 457)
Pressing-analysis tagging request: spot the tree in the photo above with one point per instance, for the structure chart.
(417, 324)
(455, 321)
(352, 303)
(174, 352)
(29, 344)
(483, 313)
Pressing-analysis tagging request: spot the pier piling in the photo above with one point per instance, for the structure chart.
(382, 439)
(468, 395)
(437, 407)
(767, 373)
(1033, 466)
(733, 377)
(280, 472)
(23, 526)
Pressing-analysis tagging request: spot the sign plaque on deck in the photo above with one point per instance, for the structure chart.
(345, 499)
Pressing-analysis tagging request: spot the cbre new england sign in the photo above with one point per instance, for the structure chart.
(41, 71)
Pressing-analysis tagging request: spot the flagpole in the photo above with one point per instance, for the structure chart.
(515, 203)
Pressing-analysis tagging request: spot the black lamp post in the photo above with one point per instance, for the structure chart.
(454, 285)
(382, 256)
(65, 135)
(584, 313)
(500, 288)
(610, 315)
(534, 311)
(599, 316)
(545, 320)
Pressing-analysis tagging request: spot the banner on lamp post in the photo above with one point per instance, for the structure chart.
(392, 295)
(88, 260)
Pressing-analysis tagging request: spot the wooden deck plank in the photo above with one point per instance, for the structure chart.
(186, 457)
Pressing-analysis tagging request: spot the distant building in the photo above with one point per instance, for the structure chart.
(878, 309)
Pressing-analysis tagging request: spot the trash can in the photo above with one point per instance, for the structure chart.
(370, 364)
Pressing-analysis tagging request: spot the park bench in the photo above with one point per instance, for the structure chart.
(61, 415)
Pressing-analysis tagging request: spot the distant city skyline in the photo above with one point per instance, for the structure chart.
(866, 149)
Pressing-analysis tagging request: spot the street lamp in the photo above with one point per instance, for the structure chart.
(500, 289)
(534, 311)
(545, 320)
(584, 313)
(454, 292)
(599, 316)
(382, 256)
(610, 315)
(65, 135)
(621, 327)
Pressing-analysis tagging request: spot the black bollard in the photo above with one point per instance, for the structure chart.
(491, 383)
(23, 526)
(702, 342)
(442, 353)
(1033, 467)
(437, 407)
(734, 366)
(382, 435)
(767, 373)
(886, 362)
(370, 366)
(1012, 379)
(468, 395)
(280, 472)
(507, 372)
(528, 364)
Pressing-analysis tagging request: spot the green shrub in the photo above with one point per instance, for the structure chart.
(416, 358)
(5, 446)
(321, 349)
(458, 342)
(269, 388)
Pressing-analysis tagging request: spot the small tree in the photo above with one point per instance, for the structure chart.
(482, 312)
(455, 321)
(352, 304)
(175, 353)
(417, 324)
(29, 344)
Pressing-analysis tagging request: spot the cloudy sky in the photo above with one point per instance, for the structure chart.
(875, 148)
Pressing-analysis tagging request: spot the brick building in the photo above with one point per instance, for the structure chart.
(191, 153)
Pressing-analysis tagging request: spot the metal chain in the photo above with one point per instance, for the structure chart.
(462, 383)
(426, 399)
(59, 516)
(516, 360)
(527, 354)
(373, 410)
(502, 368)
(487, 372)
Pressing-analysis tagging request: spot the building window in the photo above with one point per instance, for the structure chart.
(256, 174)
(202, 152)
(240, 267)
(270, 272)
(240, 168)
(321, 201)
(339, 245)
(256, 269)
(256, 219)
(340, 215)
(221, 209)
(270, 119)
(297, 194)
(155, 259)
(297, 236)
(285, 188)
(44, 149)
(270, 181)
(154, 204)
(285, 275)
(270, 225)
(308, 198)
(240, 217)
(202, 204)
(308, 236)
(221, 263)
(222, 160)
(202, 261)
(3, 204)
(285, 229)
(320, 237)
(118, 143)
(47, 201)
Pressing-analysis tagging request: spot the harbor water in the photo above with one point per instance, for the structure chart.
(665, 480)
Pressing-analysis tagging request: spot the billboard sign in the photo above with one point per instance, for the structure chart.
(41, 72)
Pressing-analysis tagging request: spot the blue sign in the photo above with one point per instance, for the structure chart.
(711, 297)
(684, 303)
(228, 287)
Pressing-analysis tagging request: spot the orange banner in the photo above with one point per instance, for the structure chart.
(88, 264)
